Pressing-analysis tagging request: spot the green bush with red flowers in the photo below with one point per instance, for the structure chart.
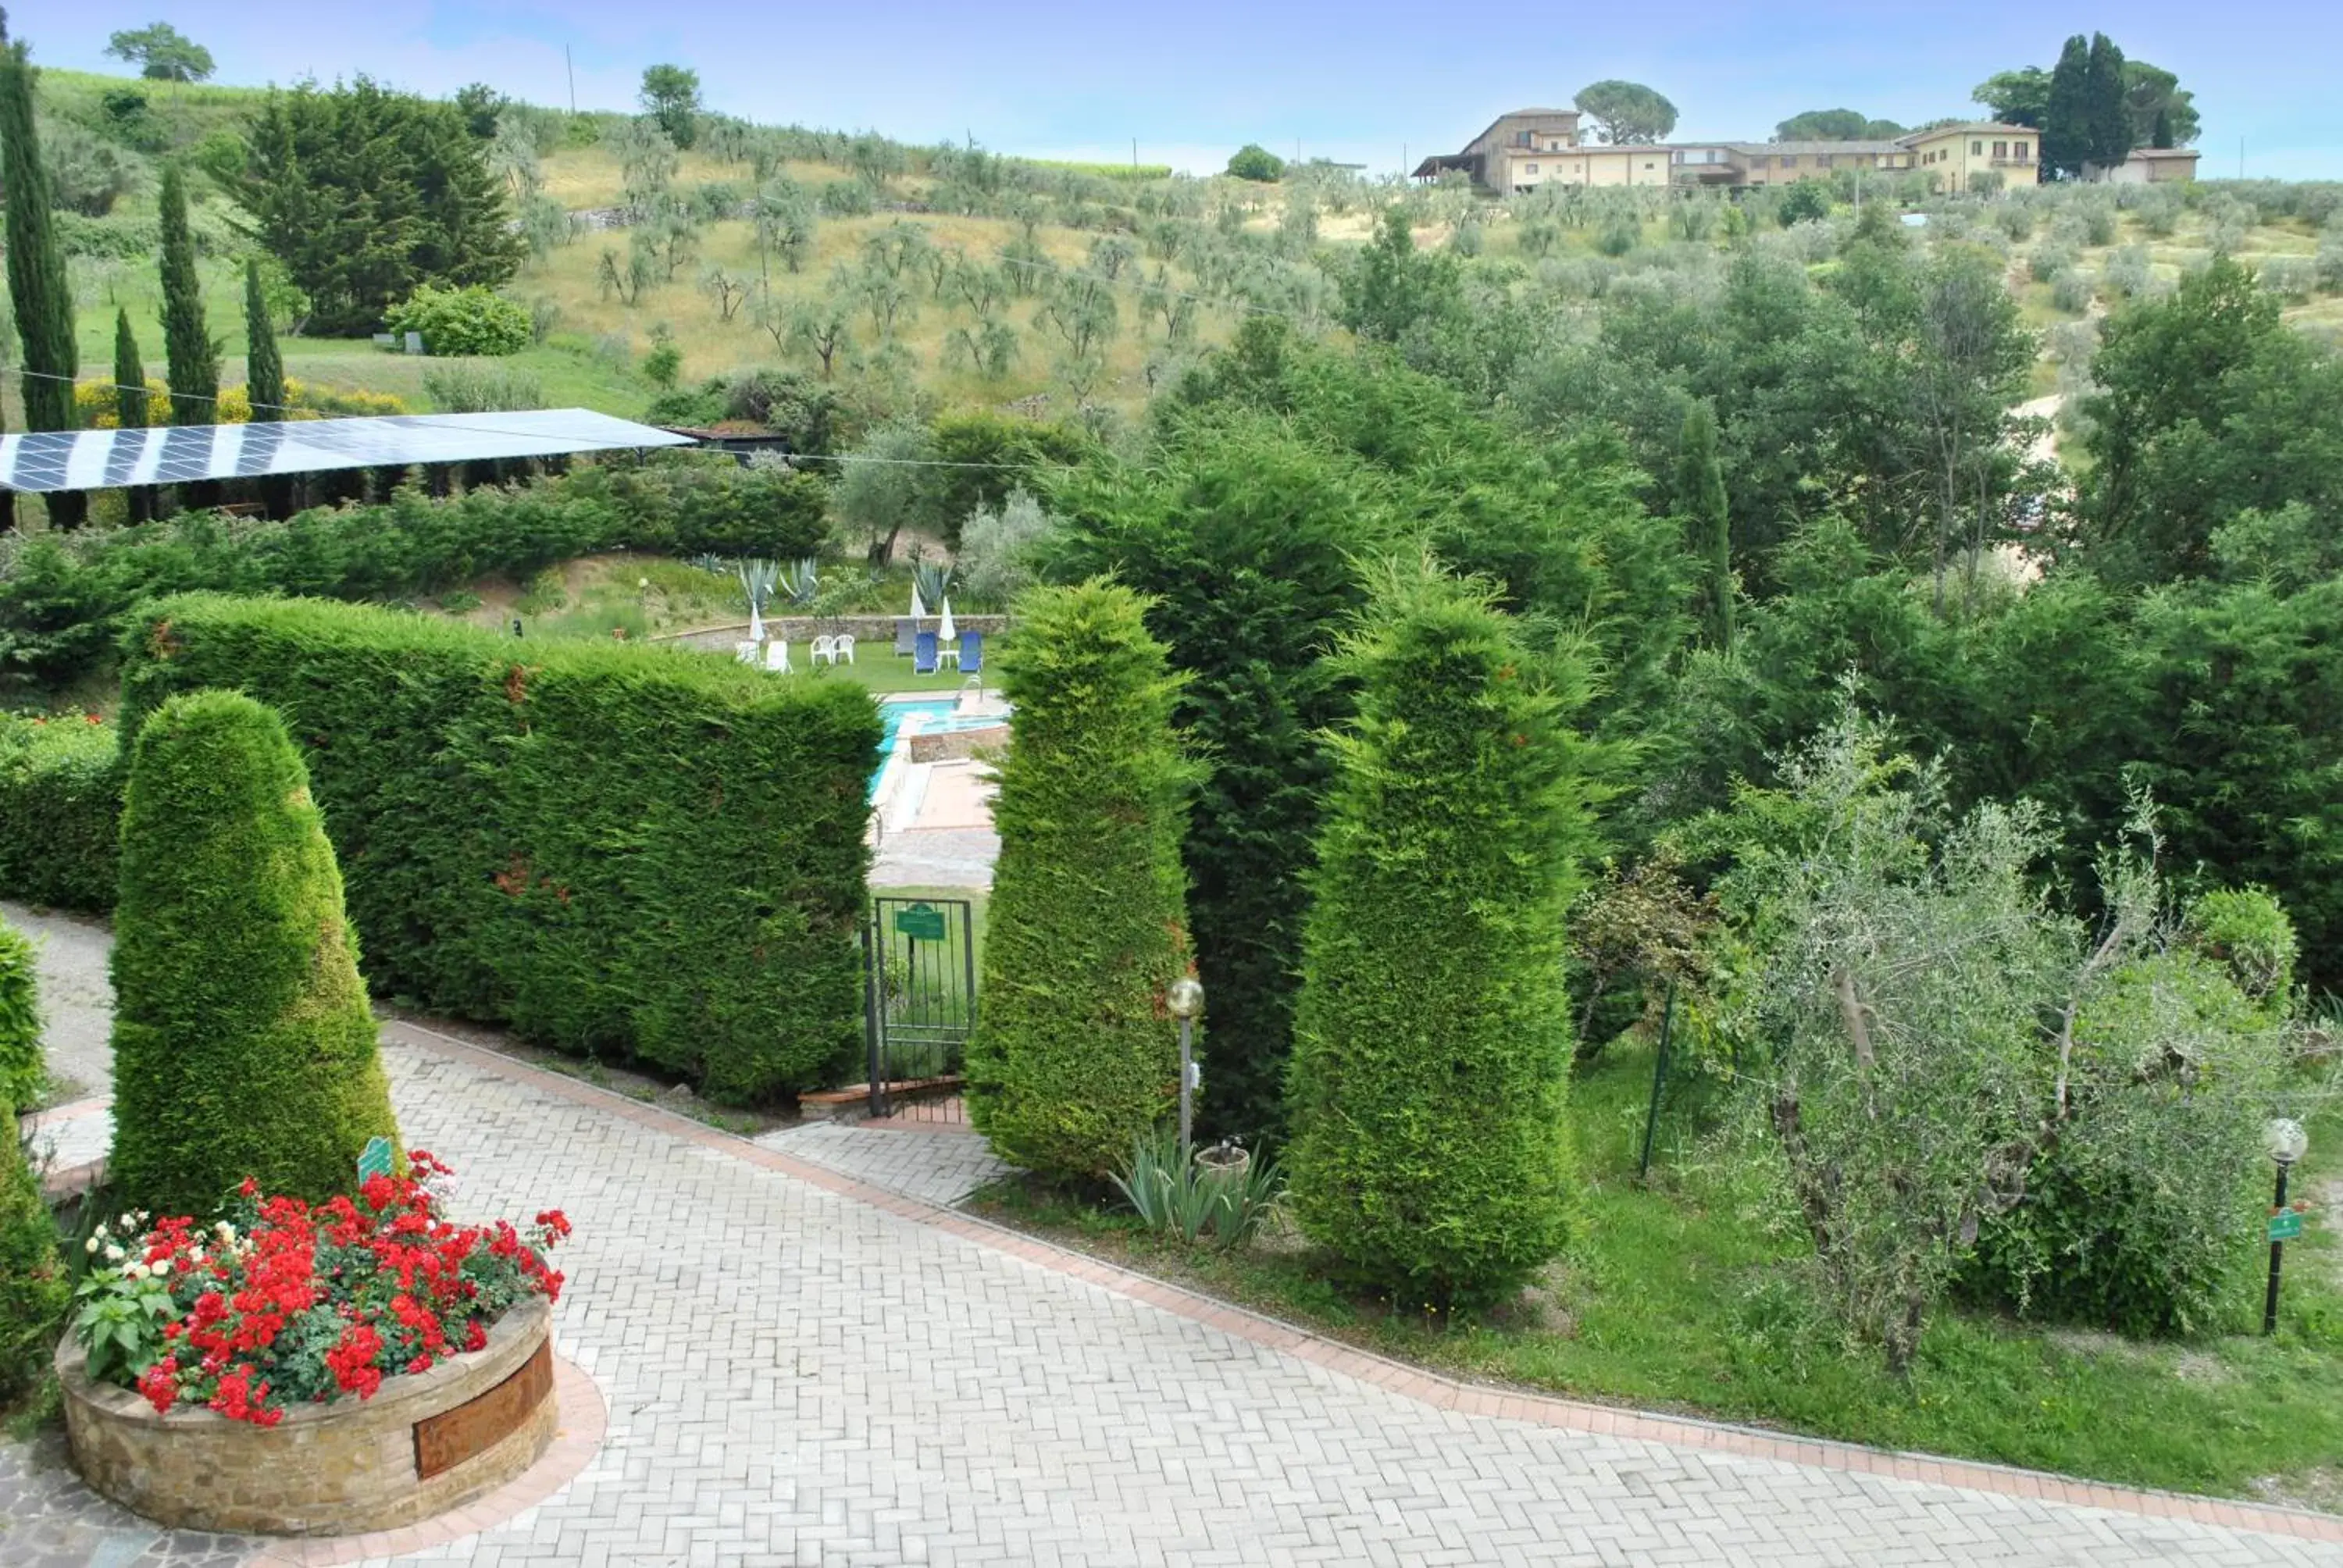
(281, 1302)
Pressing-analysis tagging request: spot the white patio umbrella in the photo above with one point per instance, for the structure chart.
(918, 611)
(756, 624)
(947, 633)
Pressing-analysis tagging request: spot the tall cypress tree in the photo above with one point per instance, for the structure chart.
(193, 359)
(2110, 111)
(130, 403)
(263, 366)
(2067, 122)
(36, 270)
(1708, 529)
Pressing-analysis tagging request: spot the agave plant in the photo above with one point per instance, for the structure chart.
(934, 580)
(801, 581)
(756, 580)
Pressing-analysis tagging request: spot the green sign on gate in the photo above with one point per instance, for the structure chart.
(920, 923)
(2286, 1225)
(374, 1159)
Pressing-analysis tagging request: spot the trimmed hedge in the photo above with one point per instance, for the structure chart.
(1074, 1054)
(60, 811)
(21, 1072)
(244, 1045)
(62, 597)
(1433, 1043)
(33, 1284)
(611, 849)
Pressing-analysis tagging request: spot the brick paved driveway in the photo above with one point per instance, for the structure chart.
(795, 1375)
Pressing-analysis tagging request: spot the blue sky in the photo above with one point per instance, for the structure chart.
(1366, 82)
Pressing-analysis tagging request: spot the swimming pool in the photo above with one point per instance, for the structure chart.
(938, 717)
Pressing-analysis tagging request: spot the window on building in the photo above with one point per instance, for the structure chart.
(2001, 149)
(1649, 165)
(2020, 151)
(1825, 160)
(1529, 169)
(1976, 149)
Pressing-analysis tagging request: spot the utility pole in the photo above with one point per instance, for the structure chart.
(1134, 154)
(571, 67)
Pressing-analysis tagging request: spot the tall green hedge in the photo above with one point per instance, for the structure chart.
(611, 849)
(21, 1073)
(1073, 1054)
(62, 599)
(33, 1285)
(244, 1044)
(1432, 1046)
(60, 811)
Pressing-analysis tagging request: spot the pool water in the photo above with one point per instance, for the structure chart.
(937, 717)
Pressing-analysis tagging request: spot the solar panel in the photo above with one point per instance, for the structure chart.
(184, 454)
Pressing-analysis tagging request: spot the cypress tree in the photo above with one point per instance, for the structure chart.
(263, 366)
(1700, 497)
(129, 376)
(37, 269)
(2111, 112)
(2067, 122)
(1433, 1043)
(192, 359)
(244, 1044)
(1074, 1055)
(130, 406)
(34, 1289)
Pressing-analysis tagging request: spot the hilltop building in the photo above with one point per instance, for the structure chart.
(1528, 149)
(2147, 166)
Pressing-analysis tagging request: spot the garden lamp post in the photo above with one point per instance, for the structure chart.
(1186, 1000)
(2284, 1140)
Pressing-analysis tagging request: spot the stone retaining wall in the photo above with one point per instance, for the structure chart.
(952, 745)
(337, 1468)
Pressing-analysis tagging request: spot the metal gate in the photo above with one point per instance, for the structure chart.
(920, 1005)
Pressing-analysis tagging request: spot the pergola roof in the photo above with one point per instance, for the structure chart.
(181, 453)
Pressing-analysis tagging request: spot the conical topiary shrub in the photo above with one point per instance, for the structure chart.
(1432, 1048)
(243, 1041)
(1074, 1053)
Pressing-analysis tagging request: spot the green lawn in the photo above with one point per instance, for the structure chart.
(1671, 1299)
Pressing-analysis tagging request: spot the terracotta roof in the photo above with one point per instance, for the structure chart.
(1967, 128)
(1805, 149)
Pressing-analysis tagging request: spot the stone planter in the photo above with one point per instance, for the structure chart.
(1228, 1163)
(426, 1442)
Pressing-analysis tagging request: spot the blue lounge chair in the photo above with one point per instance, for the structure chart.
(905, 632)
(971, 652)
(924, 655)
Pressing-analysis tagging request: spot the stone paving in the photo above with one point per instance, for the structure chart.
(799, 1373)
(937, 1166)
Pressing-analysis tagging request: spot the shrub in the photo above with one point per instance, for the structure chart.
(2047, 260)
(2247, 930)
(2290, 277)
(608, 847)
(1432, 1047)
(21, 1074)
(32, 1287)
(60, 810)
(244, 1045)
(1256, 163)
(2070, 291)
(1074, 1054)
(62, 596)
(1805, 201)
(482, 388)
(1000, 549)
(455, 322)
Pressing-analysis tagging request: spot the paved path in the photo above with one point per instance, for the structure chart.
(803, 1371)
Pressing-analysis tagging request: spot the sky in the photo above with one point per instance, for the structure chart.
(1361, 82)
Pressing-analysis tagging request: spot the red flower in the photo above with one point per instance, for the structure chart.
(160, 1384)
(476, 1338)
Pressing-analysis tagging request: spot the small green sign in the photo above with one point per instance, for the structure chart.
(374, 1159)
(920, 923)
(2286, 1225)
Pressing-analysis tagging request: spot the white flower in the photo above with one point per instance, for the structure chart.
(127, 1221)
(162, 1267)
(90, 1245)
(137, 1271)
(113, 1254)
(194, 1260)
(101, 1229)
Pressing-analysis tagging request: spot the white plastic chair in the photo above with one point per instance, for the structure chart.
(841, 647)
(746, 652)
(777, 656)
(825, 652)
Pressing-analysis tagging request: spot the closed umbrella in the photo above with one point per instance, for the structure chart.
(918, 609)
(947, 633)
(756, 623)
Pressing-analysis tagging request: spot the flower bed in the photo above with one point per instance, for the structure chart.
(357, 1364)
